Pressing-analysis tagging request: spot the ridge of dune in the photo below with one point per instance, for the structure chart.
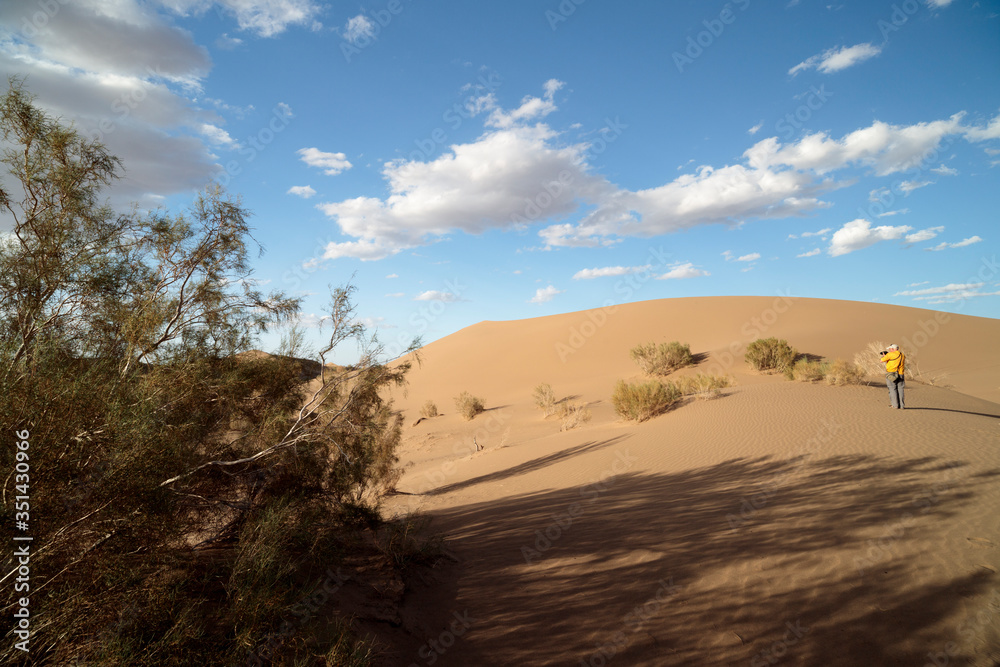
(700, 537)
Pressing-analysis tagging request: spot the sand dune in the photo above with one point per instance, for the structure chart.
(782, 523)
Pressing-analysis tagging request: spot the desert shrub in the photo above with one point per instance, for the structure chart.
(805, 370)
(545, 399)
(468, 405)
(702, 385)
(662, 359)
(868, 359)
(843, 373)
(639, 402)
(765, 354)
(430, 409)
(573, 415)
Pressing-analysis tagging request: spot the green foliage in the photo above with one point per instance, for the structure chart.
(765, 354)
(468, 405)
(430, 409)
(639, 402)
(843, 372)
(545, 399)
(125, 353)
(662, 359)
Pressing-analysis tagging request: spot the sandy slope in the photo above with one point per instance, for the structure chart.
(783, 523)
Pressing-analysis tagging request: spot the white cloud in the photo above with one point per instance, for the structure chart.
(825, 230)
(959, 244)
(331, 163)
(948, 293)
(391, 276)
(609, 271)
(435, 295)
(859, 234)
(756, 128)
(939, 3)
(924, 234)
(811, 253)
(727, 254)
(891, 213)
(227, 43)
(520, 173)
(395, 295)
(945, 171)
(752, 257)
(544, 294)
(267, 18)
(218, 136)
(909, 186)
(681, 271)
(836, 59)
(358, 28)
(303, 191)
(530, 109)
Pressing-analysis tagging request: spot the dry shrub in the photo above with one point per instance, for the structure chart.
(868, 359)
(662, 359)
(469, 406)
(639, 402)
(545, 399)
(703, 385)
(843, 373)
(766, 354)
(573, 415)
(805, 370)
(430, 409)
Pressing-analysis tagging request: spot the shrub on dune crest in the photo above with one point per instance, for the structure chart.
(639, 402)
(545, 399)
(805, 370)
(573, 415)
(703, 385)
(430, 409)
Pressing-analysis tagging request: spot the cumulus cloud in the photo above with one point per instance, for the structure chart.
(609, 271)
(836, 59)
(752, 257)
(358, 28)
(436, 295)
(331, 163)
(266, 18)
(520, 173)
(303, 191)
(859, 234)
(544, 294)
(681, 271)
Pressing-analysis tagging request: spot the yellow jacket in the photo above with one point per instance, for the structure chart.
(893, 361)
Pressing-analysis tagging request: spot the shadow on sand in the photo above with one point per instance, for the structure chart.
(751, 544)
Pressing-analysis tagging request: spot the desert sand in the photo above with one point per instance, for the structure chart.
(781, 523)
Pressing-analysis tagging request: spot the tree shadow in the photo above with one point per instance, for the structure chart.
(964, 412)
(687, 567)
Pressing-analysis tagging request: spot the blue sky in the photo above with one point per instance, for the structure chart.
(463, 161)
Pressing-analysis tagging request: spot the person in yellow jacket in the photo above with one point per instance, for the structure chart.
(894, 375)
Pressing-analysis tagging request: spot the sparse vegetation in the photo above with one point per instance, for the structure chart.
(545, 399)
(806, 370)
(573, 415)
(702, 385)
(469, 406)
(430, 409)
(766, 354)
(639, 402)
(842, 373)
(868, 360)
(662, 359)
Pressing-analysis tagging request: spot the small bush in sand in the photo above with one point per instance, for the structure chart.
(868, 360)
(662, 359)
(639, 402)
(545, 399)
(843, 373)
(468, 405)
(573, 415)
(430, 409)
(805, 370)
(766, 354)
(702, 385)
